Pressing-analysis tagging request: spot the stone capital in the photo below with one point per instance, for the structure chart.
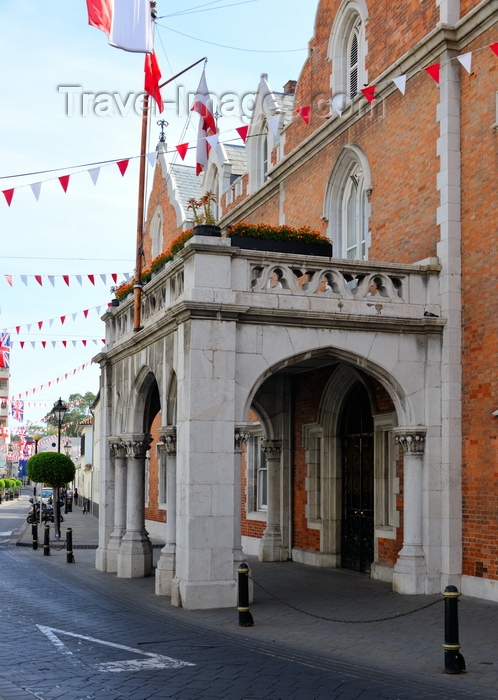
(118, 448)
(136, 444)
(241, 436)
(272, 449)
(167, 439)
(412, 440)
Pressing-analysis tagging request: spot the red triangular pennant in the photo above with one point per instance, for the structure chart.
(64, 342)
(40, 324)
(369, 93)
(242, 132)
(63, 318)
(85, 313)
(8, 194)
(434, 71)
(114, 277)
(182, 150)
(494, 48)
(43, 342)
(122, 165)
(84, 343)
(21, 343)
(66, 279)
(305, 113)
(64, 180)
(18, 328)
(38, 278)
(92, 279)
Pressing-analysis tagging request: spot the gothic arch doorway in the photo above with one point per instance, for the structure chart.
(357, 439)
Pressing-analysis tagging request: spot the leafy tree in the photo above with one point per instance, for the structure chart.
(79, 409)
(55, 469)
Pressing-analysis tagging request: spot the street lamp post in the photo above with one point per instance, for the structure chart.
(36, 437)
(60, 409)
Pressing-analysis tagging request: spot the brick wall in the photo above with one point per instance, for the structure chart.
(152, 512)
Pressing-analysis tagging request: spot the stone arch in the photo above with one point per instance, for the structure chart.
(145, 401)
(351, 160)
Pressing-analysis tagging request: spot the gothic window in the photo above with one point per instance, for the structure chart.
(257, 477)
(353, 214)
(353, 58)
(348, 49)
(156, 233)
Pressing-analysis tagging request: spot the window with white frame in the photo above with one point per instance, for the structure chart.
(386, 480)
(257, 478)
(313, 438)
(156, 233)
(348, 49)
(347, 207)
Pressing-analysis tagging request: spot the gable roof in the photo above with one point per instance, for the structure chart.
(187, 183)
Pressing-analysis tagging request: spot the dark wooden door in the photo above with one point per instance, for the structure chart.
(357, 482)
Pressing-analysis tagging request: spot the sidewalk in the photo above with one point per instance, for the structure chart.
(410, 644)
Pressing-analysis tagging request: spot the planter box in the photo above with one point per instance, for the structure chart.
(273, 246)
(207, 230)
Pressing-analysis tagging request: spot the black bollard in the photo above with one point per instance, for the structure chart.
(46, 542)
(34, 534)
(69, 546)
(453, 660)
(245, 617)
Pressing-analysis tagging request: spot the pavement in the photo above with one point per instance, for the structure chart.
(321, 617)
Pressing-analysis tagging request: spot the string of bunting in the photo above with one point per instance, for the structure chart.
(433, 70)
(54, 343)
(55, 381)
(66, 279)
(51, 321)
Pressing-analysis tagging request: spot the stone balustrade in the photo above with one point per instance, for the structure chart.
(210, 273)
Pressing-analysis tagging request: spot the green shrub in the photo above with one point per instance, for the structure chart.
(51, 468)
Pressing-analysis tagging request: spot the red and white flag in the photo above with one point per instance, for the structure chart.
(127, 23)
(152, 79)
(203, 105)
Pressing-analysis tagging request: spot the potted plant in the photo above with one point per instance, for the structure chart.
(204, 220)
(279, 239)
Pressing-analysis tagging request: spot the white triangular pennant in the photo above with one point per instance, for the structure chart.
(151, 157)
(103, 278)
(94, 174)
(274, 123)
(95, 342)
(24, 278)
(74, 343)
(33, 343)
(54, 343)
(212, 141)
(74, 316)
(127, 275)
(51, 279)
(36, 189)
(80, 279)
(466, 60)
(98, 310)
(28, 327)
(50, 321)
(400, 83)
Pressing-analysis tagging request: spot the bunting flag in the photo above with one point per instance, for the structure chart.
(122, 165)
(4, 350)
(182, 150)
(127, 23)
(369, 93)
(494, 48)
(274, 124)
(8, 194)
(434, 71)
(207, 124)
(466, 60)
(400, 83)
(65, 278)
(94, 174)
(36, 189)
(55, 381)
(305, 113)
(242, 132)
(152, 157)
(64, 180)
(53, 343)
(152, 79)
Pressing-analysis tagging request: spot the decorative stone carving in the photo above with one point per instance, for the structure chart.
(412, 440)
(272, 449)
(241, 436)
(137, 445)
(167, 437)
(118, 448)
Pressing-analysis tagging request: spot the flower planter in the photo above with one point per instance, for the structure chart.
(207, 230)
(275, 246)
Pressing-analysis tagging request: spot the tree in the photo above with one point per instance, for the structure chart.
(55, 469)
(79, 409)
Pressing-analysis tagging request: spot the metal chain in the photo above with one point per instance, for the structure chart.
(57, 544)
(348, 622)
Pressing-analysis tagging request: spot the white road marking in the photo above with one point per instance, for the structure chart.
(154, 662)
(6, 534)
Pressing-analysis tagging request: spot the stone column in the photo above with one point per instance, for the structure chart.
(165, 570)
(118, 450)
(270, 548)
(135, 551)
(410, 569)
(241, 438)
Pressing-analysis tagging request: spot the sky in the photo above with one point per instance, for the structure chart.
(51, 60)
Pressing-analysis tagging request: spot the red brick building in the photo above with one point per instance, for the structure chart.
(382, 465)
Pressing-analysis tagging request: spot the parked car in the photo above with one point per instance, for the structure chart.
(47, 495)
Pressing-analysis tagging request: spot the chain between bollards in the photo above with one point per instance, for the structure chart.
(34, 535)
(453, 661)
(46, 542)
(69, 546)
(245, 617)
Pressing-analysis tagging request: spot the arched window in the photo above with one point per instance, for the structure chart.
(346, 205)
(156, 233)
(348, 48)
(259, 155)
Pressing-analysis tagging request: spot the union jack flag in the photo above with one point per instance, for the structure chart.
(18, 410)
(4, 349)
